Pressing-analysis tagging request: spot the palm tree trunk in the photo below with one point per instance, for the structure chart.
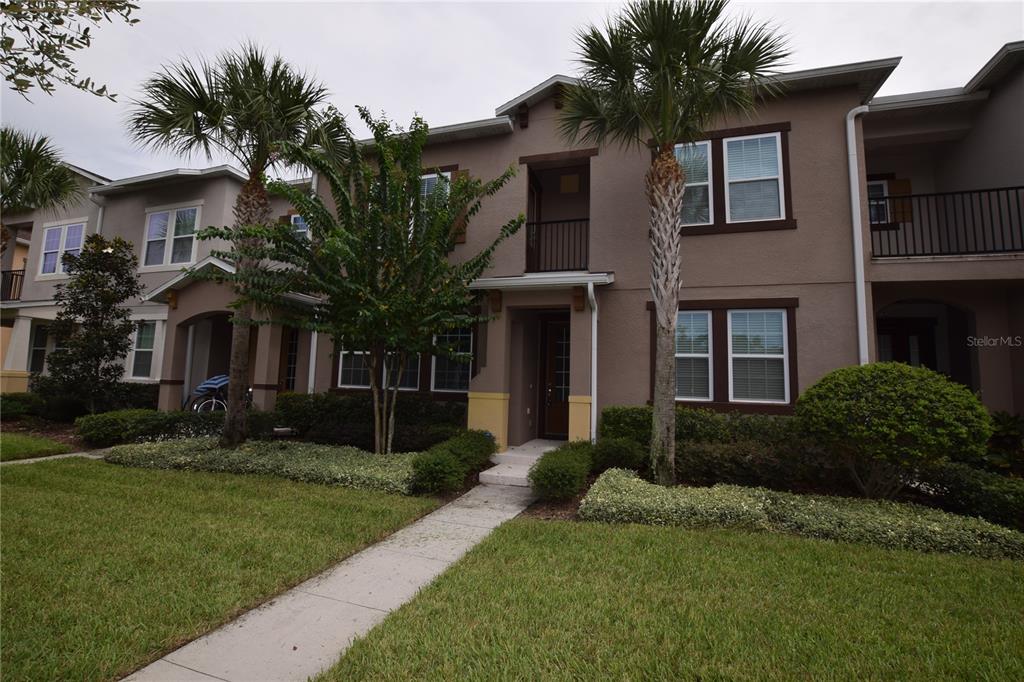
(251, 208)
(665, 185)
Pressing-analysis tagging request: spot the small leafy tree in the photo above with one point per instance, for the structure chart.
(375, 269)
(38, 37)
(886, 420)
(93, 328)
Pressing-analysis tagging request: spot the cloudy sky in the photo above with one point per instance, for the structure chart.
(456, 62)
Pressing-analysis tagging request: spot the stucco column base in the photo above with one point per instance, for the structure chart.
(16, 357)
(579, 417)
(489, 412)
(13, 381)
(266, 366)
(171, 394)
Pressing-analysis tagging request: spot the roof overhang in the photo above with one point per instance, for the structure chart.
(88, 175)
(1002, 63)
(185, 277)
(487, 127)
(164, 177)
(930, 98)
(544, 280)
(535, 94)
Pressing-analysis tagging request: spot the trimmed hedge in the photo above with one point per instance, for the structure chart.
(560, 474)
(17, 405)
(963, 489)
(621, 497)
(131, 426)
(306, 462)
(620, 453)
(348, 419)
(444, 467)
(700, 425)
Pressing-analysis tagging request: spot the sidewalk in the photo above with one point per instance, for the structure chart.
(306, 629)
(32, 460)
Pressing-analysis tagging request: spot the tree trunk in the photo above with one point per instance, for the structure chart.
(251, 208)
(665, 185)
(378, 441)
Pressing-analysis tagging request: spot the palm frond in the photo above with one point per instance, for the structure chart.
(32, 174)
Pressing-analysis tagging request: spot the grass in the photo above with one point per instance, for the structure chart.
(563, 600)
(20, 446)
(106, 568)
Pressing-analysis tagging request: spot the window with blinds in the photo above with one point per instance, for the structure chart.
(695, 159)
(142, 350)
(693, 355)
(758, 356)
(753, 178)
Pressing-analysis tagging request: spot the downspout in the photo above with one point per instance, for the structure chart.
(593, 360)
(101, 202)
(189, 352)
(311, 377)
(858, 232)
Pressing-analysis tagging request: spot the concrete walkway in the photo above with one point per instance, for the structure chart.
(306, 629)
(513, 465)
(32, 460)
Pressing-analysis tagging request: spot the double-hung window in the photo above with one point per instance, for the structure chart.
(452, 374)
(878, 206)
(353, 369)
(695, 158)
(693, 355)
(753, 178)
(410, 379)
(300, 226)
(142, 350)
(37, 354)
(170, 236)
(758, 356)
(57, 241)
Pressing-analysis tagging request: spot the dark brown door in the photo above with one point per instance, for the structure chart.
(907, 339)
(554, 385)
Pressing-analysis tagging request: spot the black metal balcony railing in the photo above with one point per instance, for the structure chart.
(557, 245)
(10, 284)
(947, 223)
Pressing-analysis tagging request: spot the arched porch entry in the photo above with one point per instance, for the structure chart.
(929, 333)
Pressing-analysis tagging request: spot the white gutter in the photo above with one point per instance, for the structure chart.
(593, 360)
(858, 232)
(311, 377)
(101, 202)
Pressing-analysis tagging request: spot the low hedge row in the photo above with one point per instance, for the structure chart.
(348, 419)
(132, 426)
(444, 467)
(307, 462)
(700, 425)
(962, 489)
(620, 496)
(561, 474)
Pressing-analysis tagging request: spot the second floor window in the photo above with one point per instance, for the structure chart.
(753, 178)
(300, 226)
(57, 241)
(170, 236)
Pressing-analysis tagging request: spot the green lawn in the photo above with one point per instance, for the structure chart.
(20, 446)
(564, 600)
(105, 568)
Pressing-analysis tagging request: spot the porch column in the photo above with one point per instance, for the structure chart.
(580, 327)
(266, 366)
(172, 371)
(489, 390)
(14, 377)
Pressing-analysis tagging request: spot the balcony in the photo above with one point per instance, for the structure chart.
(947, 223)
(557, 245)
(10, 284)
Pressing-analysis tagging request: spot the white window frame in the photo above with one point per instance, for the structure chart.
(135, 349)
(885, 193)
(424, 176)
(304, 233)
(418, 368)
(341, 364)
(784, 356)
(172, 211)
(433, 367)
(709, 355)
(779, 177)
(710, 185)
(62, 247)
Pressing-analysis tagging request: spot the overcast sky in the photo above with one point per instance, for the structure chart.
(457, 62)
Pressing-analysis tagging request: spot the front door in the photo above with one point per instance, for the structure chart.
(907, 339)
(554, 384)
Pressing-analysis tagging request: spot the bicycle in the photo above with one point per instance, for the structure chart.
(212, 396)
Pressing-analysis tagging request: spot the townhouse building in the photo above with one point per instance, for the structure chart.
(832, 227)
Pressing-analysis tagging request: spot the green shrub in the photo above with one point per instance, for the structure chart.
(963, 489)
(130, 426)
(633, 422)
(887, 418)
(306, 462)
(262, 423)
(620, 453)
(791, 467)
(560, 474)
(1005, 453)
(437, 471)
(472, 448)
(698, 424)
(621, 497)
(17, 405)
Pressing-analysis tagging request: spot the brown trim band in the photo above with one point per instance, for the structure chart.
(172, 382)
(780, 127)
(727, 303)
(559, 156)
(730, 228)
(451, 168)
(266, 387)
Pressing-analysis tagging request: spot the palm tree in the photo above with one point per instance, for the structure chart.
(657, 75)
(244, 105)
(32, 176)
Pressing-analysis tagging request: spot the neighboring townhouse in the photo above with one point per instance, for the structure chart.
(790, 269)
